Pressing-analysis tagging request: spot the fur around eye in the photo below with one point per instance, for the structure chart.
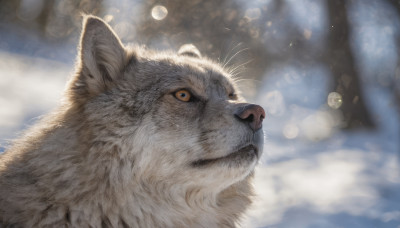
(183, 95)
(232, 96)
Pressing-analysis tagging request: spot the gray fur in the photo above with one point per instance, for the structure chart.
(122, 151)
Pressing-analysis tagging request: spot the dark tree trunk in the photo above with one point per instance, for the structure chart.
(340, 60)
(396, 85)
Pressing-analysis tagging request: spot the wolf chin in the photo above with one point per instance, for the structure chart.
(141, 139)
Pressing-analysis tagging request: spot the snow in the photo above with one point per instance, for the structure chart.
(29, 87)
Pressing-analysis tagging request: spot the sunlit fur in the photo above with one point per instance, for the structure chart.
(121, 150)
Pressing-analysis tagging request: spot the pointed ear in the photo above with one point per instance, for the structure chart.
(102, 56)
(189, 50)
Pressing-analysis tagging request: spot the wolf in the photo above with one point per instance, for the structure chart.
(142, 138)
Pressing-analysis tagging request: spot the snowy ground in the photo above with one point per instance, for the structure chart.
(311, 175)
(29, 87)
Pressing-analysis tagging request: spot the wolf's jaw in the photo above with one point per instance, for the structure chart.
(246, 153)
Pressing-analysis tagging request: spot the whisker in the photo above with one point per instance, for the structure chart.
(239, 67)
(224, 62)
(230, 59)
(238, 80)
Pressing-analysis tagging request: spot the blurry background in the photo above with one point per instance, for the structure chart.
(326, 72)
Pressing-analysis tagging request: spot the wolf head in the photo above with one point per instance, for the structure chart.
(175, 117)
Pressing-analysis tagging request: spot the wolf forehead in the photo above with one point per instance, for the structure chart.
(175, 71)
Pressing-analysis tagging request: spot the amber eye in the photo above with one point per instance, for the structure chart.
(232, 96)
(183, 95)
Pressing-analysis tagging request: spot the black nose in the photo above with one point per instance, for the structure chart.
(252, 114)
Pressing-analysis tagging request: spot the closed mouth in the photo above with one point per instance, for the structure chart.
(245, 153)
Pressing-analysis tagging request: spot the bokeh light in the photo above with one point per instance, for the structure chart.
(334, 100)
(290, 131)
(159, 12)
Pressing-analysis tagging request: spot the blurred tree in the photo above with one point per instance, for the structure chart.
(54, 20)
(340, 60)
(396, 85)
